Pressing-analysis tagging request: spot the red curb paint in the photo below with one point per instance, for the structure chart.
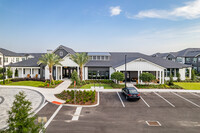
(55, 102)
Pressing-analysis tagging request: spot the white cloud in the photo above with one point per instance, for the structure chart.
(115, 11)
(191, 10)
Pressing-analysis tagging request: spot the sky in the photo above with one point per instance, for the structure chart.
(146, 26)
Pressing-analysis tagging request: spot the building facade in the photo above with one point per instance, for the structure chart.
(189, 56)
(101, 65)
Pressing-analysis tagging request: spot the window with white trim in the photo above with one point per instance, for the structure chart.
(17, 59)
(6, 60)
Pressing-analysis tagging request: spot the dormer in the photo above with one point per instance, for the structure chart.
(99, 56)
(62, 51)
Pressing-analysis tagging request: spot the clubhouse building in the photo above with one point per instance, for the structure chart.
(100, 65)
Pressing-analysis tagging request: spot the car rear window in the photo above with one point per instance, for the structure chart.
(133, 91)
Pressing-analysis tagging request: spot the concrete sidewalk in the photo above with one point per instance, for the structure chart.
(48, 93)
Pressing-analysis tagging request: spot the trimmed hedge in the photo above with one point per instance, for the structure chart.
(162, 86)
(27, 79)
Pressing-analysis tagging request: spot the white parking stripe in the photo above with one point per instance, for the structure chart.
(194, 94)
(164, 99)
(144, 101)
(77, 114)
(186, 99)
(121, 100)
(40, 108)
(52, 117)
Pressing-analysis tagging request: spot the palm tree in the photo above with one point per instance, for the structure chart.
(50, 59)
(80, 59)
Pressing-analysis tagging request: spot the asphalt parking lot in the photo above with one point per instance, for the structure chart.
(175, 112)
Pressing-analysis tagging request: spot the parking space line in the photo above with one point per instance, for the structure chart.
(194, 94)
(40, 108)
(164, 99)
(144, 101)
(52, 117)
(121, 100)
(186, 99)
(77, 114)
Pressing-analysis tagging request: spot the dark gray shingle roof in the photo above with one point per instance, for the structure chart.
(117, 59)
(99, 53)
(9, 53)
(31, 62)
(71, 51)
(189, 52)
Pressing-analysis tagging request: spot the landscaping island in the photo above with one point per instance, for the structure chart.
(78, 97)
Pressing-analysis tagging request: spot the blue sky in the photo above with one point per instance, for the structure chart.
(146, 26)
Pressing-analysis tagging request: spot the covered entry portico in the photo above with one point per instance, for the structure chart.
(138, 66)
(65, 71)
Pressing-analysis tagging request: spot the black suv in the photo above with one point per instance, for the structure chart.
(131, 93)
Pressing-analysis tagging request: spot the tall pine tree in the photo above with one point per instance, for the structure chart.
(21, 119)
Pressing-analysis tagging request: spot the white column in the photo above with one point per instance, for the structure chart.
(141, 80)
(22, 72)
(13, 74)
(174, 72)
(156, 74)
(138, 77)
(56, 73)
(190, 73)
(163, 77)
(61, 72)
(6, 74)
(31, 73)
(159, 77)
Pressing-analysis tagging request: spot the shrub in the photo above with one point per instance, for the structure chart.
(68, 100)
(74, 77)
(82, 97)
(147, 77)
(9, 72)
(178, 77)
(16, 72)
(42, 85)
(118, 76)
(171, 80)
(27, 79)
(193, 76)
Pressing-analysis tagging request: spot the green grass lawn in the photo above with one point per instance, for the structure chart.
(189, 86)
(26, 83)
(88, 86)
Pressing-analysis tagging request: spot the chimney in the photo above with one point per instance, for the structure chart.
(49, 51)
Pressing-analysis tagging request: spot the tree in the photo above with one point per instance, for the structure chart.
(193, 76)
(118, 76)
(20, 119)
(74, 77)
(50, 59)
(171, 82)
(9, 72)
(147, 77)
(16, 72)
(80, 59)
(178, 77)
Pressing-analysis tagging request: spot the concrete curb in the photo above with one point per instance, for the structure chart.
(98, 98)
(143, 90)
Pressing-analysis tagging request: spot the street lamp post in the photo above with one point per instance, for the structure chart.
(125, 72)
